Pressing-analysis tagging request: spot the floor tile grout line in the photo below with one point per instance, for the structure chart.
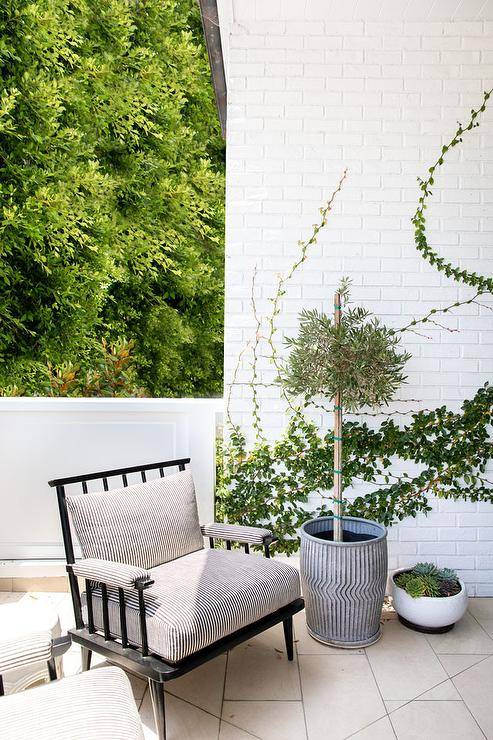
(469, 652)
(480, 625)
(383, 702)
(465, 702)
(237, 727)
(422, 701)
(470, 712)
(456, 652)
(465, 669)
(393, 727)
(223, 694)
(265, 701)
(483, 658)
(379, 691)
(374, 722)
(417, 698)
(190, 703)
(206, 711)
(301, 685)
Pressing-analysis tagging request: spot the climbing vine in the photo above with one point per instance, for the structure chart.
(286, 481)
(481, 283)
(276, 482)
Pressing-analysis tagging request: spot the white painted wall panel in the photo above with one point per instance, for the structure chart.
(43, 438)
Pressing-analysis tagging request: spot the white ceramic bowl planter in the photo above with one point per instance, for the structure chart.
(427, 613)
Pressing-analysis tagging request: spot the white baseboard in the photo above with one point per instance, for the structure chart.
(32, 568)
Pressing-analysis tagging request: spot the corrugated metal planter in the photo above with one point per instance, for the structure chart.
(344, 582)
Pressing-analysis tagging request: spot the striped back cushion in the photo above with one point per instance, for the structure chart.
(144, 525)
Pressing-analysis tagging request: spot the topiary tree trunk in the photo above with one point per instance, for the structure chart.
(338, 529)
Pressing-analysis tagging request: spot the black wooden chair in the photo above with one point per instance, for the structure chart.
(156, 601)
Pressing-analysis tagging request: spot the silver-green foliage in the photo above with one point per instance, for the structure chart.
(360, 358)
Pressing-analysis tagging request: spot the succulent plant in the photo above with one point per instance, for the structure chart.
(425, 569)
(414, 587)
(426, 580)
(447, 574)
(403, 578)
(431, 585)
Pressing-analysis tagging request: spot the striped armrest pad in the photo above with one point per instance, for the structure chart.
(107, 571)
(24, 650)
(237, 533)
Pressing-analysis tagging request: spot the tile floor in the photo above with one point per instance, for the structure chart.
(406, 686)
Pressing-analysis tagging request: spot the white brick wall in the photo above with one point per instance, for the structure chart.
(314, 88)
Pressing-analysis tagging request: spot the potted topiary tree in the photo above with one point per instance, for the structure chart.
(353, 360)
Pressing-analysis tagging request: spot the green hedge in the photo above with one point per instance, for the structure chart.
(111, 192)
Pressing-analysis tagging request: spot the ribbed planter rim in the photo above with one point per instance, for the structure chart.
(380, 537)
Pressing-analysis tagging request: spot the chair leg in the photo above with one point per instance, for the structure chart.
(52, 669)
(1, 686)
(288, 636)
(86, 658)
(156, 690)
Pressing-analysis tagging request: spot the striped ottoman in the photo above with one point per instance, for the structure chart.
(28, 616)
(95, 705)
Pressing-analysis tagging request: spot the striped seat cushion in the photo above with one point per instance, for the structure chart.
(203, 597)
(143, 525)
(96, 704)
(23, 650)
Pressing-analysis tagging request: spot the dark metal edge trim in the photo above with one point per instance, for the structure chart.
(212, 34)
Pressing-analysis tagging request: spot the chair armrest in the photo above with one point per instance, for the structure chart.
(24, 650)
(111, 573)
(238, 533)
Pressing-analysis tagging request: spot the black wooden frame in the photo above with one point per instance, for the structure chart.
(137, 658)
